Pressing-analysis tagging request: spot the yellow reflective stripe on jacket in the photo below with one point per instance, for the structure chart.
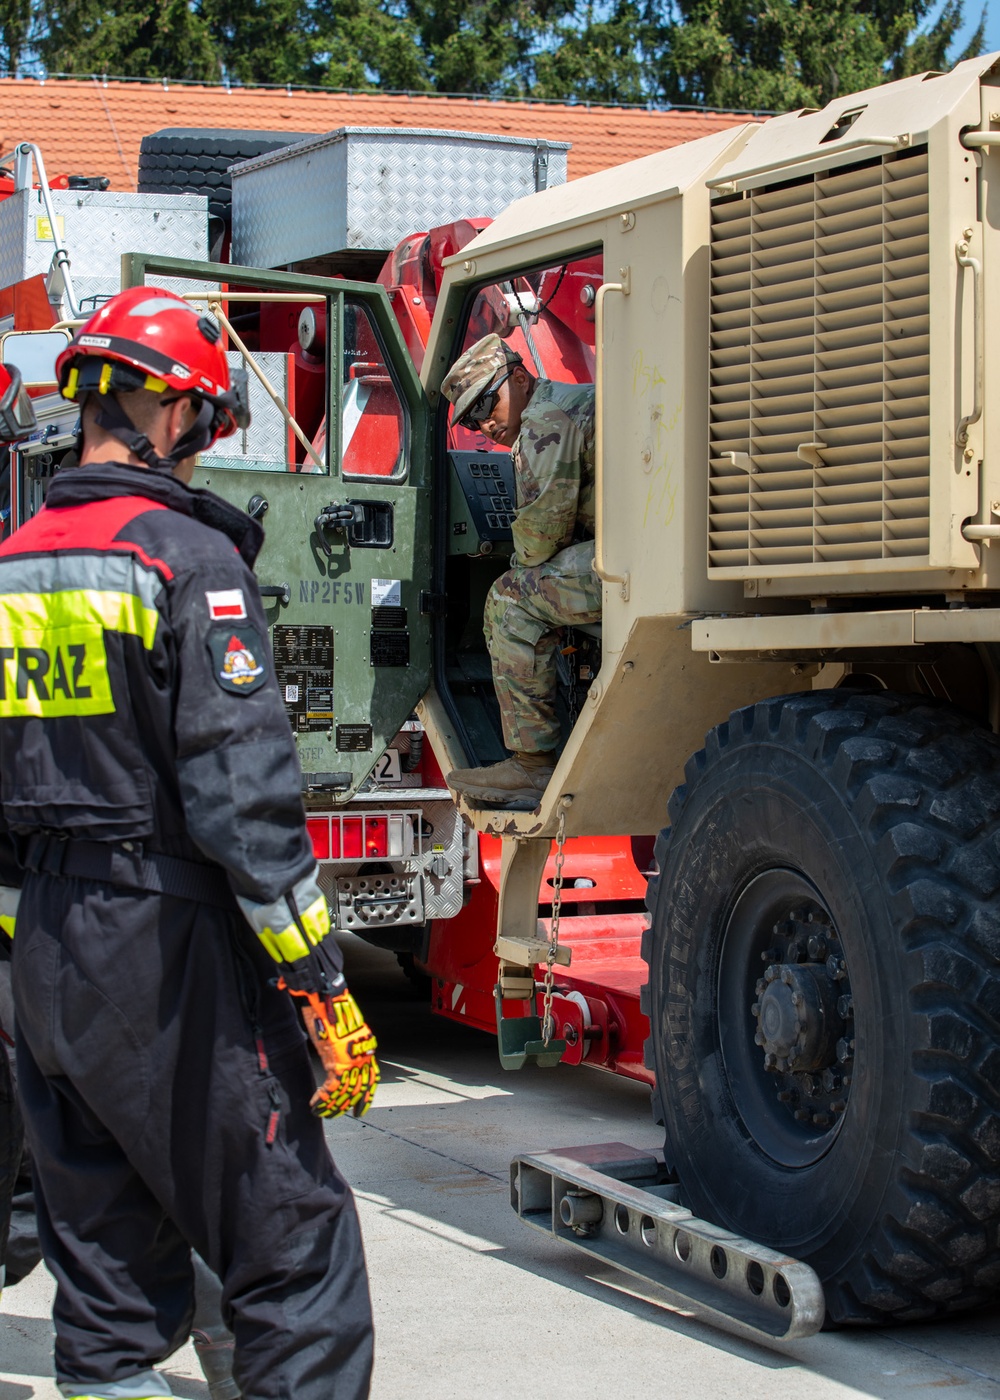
(288, 945)
(53, 658)
(316, 921)
(10, 898)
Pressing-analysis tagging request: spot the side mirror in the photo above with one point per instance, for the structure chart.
(17, 412)
(35, 354)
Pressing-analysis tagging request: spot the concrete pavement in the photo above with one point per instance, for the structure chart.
(471, 1305)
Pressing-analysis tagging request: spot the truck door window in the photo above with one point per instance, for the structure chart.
(269, 444)
(372, 421)
(546, 315)
(286, 344)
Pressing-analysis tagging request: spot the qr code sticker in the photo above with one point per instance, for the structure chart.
(291, 695)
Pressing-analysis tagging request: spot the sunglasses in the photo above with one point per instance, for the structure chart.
(481, 410)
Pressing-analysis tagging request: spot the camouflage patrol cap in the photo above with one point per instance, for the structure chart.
(474, 371)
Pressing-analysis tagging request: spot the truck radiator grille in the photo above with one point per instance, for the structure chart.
(820, 363)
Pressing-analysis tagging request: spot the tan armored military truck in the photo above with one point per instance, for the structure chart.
(799, 533)
(794, 689)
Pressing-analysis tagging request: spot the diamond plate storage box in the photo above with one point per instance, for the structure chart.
(365, 188)
(97, 227)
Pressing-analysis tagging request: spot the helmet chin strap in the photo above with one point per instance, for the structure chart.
(114, 420)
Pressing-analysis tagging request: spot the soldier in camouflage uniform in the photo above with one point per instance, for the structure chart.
(551, 583)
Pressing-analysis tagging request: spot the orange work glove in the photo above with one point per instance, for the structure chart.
(346, 1048)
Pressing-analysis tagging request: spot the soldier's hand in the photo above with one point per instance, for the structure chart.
(346, 1048)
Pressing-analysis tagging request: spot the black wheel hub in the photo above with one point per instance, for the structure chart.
(787, 1036)
(797, 1022)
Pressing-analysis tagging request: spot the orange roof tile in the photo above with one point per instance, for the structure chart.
(87, 127)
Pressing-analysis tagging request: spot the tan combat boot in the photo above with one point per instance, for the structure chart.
(517, 783)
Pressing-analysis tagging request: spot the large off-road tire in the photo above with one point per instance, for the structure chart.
(186, 160)
(824, 995)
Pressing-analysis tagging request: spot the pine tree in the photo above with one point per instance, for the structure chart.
(16, 18)
(761, 55)
(127, 38)
(365, 44)
(783, 54)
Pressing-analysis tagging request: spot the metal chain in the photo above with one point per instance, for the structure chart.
(570, 652)
(547, 302)
(550, 957)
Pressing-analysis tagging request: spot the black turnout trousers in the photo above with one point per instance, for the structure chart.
(19, 1249)
(166, 1086)
(11, 1138)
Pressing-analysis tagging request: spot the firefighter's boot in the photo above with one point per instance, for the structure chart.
(215, 1354)
(517, 783)
(212, 1339)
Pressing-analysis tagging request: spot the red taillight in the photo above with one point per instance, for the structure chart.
(376, 837)
(349, 838)
(319, 835)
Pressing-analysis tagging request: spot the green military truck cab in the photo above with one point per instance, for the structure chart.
(346, 565)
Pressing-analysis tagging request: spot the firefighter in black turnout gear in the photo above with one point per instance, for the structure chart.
(18, 1238)
(153, 823)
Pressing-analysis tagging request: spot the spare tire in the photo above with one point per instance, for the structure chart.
(189, 160)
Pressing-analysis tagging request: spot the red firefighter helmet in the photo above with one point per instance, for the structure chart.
(149, 338)
(17, 412)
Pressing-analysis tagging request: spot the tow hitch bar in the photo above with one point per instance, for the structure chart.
(610, 1201)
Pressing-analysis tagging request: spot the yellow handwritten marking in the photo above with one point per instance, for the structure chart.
(644, 377)
(666, 497)
(661, 494)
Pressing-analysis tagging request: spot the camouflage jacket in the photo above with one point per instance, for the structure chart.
(554, 471)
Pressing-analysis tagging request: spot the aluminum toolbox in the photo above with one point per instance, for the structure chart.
(365, 188)
(97, 227)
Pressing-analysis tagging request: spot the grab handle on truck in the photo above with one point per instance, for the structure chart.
(979, 340)
(625, 287)
(728, 183)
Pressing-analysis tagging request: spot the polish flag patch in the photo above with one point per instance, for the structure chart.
(228, 602)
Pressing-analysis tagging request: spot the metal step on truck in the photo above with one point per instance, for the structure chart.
(796, 667)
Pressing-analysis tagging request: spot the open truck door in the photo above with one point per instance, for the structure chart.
(336, 467)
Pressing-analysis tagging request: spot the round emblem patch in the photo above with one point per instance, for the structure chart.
(239, 659)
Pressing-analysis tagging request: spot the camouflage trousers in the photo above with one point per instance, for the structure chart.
(524, 609)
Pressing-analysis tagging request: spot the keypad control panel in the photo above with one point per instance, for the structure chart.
(487, 482)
